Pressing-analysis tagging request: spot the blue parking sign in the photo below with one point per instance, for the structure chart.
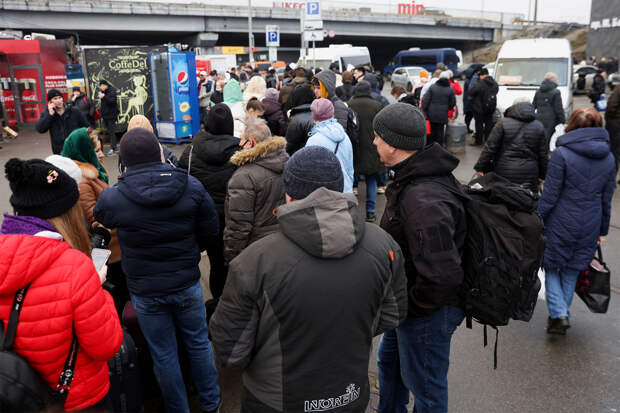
(272, 36)
(314, 8)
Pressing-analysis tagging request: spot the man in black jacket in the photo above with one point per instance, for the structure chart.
(548, 104)
(301, 306)
(301, 122)
(427, 219)
(109, 112)
(483, 104)
(59, 120)
(84, 104)
(437, 102)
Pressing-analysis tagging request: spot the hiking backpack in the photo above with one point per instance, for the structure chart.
(489, 101)
(21, 388)
(503, 252)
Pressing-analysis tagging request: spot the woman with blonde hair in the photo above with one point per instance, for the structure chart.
(64, 305)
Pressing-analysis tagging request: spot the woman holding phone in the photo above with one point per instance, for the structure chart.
(45, 249)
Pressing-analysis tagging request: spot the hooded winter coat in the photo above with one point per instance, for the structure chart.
(233, 97)
(299, 128)
(254, 191)
(345, 92)
(470, 81)
(548, 104)
(428, 221)
(60, 126)
(65, 297)
(328, 80)
(164, 219)
(274, 116)
(576, 200)
(301, 307)
(483, 87)
(330, 135)
(517, 148)
(109, 105)
(211, 155)
(367, 161)
(438, 101)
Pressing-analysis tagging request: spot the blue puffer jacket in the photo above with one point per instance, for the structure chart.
(164, 219)
(576, 200)
(330, 135)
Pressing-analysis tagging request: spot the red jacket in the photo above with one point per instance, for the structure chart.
(452, 114)
(65, 296)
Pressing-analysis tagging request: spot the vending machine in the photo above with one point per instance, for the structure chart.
(175, 95)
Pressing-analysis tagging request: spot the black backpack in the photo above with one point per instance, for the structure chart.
(353, 127)
(503, 252)
(489, 101)
(21, 388)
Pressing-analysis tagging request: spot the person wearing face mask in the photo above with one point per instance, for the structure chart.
(60, 120)
(255, 189)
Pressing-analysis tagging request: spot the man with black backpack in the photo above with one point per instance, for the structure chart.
(427, 219)
(483, 104)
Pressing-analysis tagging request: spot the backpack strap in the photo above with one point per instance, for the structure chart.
(11, 328)
(336, 150)
(86, 101)
(67, 374)
(189, 161)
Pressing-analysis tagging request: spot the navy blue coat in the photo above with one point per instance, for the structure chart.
(576, 200)
(164, 219)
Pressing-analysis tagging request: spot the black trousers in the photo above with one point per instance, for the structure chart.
(110, 125)
(484, 126)
(437, 133)
(219, 269)
(468, 117)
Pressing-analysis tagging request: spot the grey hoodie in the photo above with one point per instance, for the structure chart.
(341, 111)
(301, 306)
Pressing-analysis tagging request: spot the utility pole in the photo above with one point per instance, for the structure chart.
(250, 34)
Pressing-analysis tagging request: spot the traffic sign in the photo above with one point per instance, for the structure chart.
(313, 25)
(272, 36)
(313, 10)
(273, 54)
(314, 35)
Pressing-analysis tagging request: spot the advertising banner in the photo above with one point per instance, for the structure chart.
(127, 70)
(604, 34)
(184, 94)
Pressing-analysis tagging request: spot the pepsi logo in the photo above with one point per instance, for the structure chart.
(182, 77)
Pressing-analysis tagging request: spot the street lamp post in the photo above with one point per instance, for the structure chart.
(250, 34)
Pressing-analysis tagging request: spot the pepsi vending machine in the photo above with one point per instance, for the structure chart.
(175, 96)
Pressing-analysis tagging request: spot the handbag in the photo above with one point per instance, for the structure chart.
(96, 115)
(593, 285)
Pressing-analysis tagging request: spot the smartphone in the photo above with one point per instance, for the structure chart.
(100, 257)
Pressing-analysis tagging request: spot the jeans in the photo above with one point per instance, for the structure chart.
(371, 192)
(560, 287)
(110, 125)
(382, 181)
(422, 351)
(158, 318)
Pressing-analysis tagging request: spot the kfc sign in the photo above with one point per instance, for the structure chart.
(410, 9)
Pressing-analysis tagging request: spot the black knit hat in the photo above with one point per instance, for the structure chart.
(311, 168)
(139, 146)
(302, 95)
(401, 126)
(52, 93)
(40, 189)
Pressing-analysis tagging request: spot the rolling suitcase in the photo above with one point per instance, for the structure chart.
(126, 378)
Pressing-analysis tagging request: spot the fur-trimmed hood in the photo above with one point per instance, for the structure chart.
(270, 154)
(88, 171)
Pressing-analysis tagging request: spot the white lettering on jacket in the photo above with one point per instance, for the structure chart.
(321, 405)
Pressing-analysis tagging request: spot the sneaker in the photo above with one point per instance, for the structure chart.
(557, 325)
(371, 217)
(380, 190)
(110, 152)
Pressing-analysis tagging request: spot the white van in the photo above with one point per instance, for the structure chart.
(346, 55)
(522, 64)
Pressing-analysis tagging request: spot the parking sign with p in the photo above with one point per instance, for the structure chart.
(272, 36)
(313, 10)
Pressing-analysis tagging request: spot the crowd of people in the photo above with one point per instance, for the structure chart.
(300, 282)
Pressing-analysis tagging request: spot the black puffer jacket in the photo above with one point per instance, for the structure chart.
(483, 88)
(548, 105)
(211, 155)
(520, 159)
(109, 105)
(254, 191)
(438, 101)
(299, 128)
(366, 157)
(428, 222)
(274, 117)
(272, 318)
(345, 92)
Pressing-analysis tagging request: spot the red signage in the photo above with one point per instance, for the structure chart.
(289, 4)
(410, 9)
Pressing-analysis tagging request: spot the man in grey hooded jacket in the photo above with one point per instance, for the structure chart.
(301, 306)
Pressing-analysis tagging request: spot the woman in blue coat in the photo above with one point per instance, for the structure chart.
(575, 206)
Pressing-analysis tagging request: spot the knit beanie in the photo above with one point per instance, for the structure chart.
(52, 93)
(139, 146)
(302, 95)
(311, 168)
(272, 94)
(401, 126)
(322, 109)
(40, 189)
(67, 165)
(139, 121)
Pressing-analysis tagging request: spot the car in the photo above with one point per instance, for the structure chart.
(583, 77)
(614, 80)
(406, 77)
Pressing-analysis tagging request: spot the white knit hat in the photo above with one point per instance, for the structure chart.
(66, 165)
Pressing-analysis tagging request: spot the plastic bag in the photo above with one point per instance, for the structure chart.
(559, 131)
(601, 104)
(542, 294)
